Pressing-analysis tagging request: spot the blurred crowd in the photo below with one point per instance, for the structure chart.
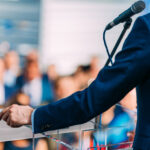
(26, 84)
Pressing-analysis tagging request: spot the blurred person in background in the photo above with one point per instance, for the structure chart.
(122, 119)
(19, 98)
(129, 101)
(117, 123)
(52, 76)
(5, 91)
(94, 67)
(52, 73)
(65, 86)
(2, 85)
(34, 84)
(12, 68)
(129, 105)
(18, 145)
(82, 76)
(32, 56)
(40, 144)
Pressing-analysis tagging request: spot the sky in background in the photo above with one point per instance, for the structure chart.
(147, 10)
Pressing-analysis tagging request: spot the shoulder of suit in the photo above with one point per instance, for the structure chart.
(144, 21)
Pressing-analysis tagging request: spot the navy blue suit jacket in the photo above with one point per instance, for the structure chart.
(131, 69)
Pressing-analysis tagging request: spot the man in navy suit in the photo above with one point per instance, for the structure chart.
(131, 69)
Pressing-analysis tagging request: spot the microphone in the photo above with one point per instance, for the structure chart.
(136, 8)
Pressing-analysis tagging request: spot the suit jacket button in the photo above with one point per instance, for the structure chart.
(45, 126)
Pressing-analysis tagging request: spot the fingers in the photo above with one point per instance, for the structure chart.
(8, 121)
(11, 123)
(16, 116)
(15, 126)
(3, 112)
(5, 115)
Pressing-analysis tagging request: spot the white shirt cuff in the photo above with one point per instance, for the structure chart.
(32, 119)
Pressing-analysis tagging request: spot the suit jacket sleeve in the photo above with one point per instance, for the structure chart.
(131, 67)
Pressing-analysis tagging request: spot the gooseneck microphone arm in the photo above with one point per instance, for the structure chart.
(126, 27)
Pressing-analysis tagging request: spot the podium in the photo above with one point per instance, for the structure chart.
(86, 136)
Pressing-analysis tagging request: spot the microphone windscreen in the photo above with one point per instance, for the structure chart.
(138, 6)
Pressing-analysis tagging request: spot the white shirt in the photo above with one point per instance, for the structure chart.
(34, 90)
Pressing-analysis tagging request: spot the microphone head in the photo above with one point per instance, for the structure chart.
(138, 6)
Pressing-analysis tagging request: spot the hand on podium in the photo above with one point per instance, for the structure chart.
(16, 115)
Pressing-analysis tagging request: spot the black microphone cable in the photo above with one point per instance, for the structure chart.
(106, 47)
